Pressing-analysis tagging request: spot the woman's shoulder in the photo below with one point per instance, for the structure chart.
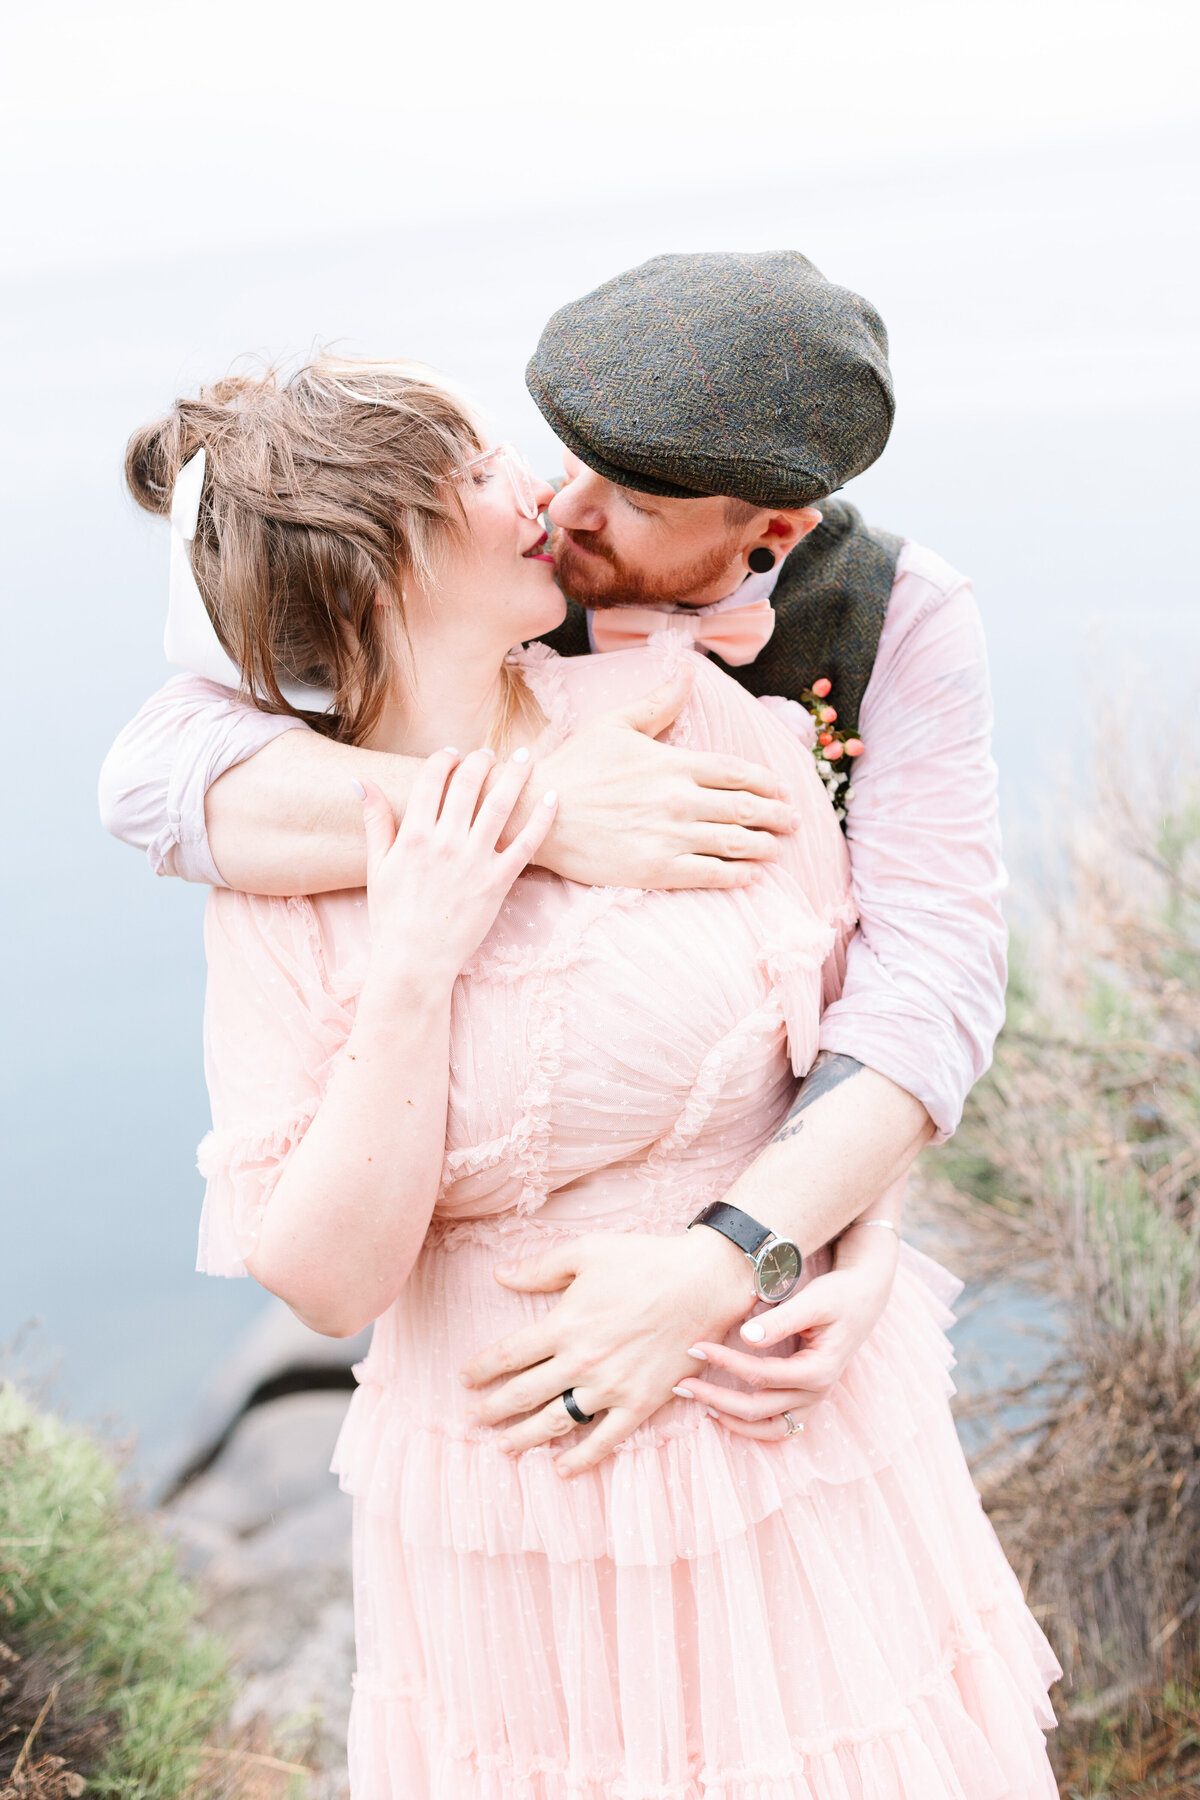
(572, 690)
(719, 713)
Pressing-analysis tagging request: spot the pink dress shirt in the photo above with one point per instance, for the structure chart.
(923, 997)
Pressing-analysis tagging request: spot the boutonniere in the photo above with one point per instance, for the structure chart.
(833, 747)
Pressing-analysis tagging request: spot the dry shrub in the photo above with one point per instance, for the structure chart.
(1080, 1159)
(51, 1734)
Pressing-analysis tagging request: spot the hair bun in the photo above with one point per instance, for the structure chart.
(154, 456)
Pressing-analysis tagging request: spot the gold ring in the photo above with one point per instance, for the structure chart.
(794, 1426)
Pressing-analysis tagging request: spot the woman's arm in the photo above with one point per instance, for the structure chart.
(347, 1216)
(349, 1213)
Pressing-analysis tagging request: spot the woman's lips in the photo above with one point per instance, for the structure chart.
(536, 553)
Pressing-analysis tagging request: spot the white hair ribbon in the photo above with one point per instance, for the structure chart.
(190, 640)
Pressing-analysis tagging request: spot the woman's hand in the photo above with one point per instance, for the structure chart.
(834, 1314)
(434, 886)
(619, 1337)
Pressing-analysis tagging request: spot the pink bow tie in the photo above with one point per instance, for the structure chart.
(737, 636)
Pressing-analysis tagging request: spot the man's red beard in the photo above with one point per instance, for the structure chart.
(603, 579)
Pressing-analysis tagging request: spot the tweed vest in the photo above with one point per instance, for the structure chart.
(830, 603)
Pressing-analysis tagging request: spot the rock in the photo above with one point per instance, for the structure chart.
(265, 1531)
(276, 1458)
(276, 1354)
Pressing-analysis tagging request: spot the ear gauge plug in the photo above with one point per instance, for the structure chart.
(761, 560)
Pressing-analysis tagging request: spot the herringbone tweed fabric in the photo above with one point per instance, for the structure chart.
(719, 373)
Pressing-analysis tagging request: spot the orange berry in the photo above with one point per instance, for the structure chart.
(828, 716)
(854, 746)
(822, 687)
(833, 752)
(825, 737)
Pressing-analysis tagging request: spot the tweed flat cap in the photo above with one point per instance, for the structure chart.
(719, 373)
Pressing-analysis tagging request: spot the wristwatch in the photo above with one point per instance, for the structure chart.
(776, 1261)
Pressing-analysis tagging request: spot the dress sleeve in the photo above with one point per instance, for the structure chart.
(923, 997)
(155, 777)
(272, 1032)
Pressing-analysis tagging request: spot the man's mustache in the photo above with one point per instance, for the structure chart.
(587, 540)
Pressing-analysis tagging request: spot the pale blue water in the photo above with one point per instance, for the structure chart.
(1047, 372)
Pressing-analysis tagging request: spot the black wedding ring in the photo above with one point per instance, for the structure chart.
(576, 1411)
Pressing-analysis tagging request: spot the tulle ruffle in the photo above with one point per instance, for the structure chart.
(240, 1173)
(705, 1617)
(677, 1488)
(951, 1743)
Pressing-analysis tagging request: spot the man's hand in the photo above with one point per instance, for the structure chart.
(833, 1315)
(619, 1336)
(633, 813)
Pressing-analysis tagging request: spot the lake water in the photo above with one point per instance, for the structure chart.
(1047, 355)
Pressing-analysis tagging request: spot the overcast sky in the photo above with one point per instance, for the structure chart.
(133, 130)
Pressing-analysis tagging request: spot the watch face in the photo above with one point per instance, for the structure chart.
(778, 1270)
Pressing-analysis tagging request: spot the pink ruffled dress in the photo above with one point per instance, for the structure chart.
(705, 1617)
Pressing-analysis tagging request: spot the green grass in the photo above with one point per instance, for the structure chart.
(90, 1591)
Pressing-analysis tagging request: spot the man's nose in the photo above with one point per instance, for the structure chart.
(574, 507)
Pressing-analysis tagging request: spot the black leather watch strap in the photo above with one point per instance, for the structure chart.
(736, 1225)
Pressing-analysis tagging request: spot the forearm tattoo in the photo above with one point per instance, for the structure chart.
(828, 1072)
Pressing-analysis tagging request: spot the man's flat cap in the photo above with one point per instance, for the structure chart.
(719, 373)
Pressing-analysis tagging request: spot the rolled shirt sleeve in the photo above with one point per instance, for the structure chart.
(154, 779)
(923, 998)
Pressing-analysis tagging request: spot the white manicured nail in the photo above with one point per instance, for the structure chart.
(488, 752)
(450, 750)
(358, 787)
(550, 797)
(521, 755)
(700, 1355)
(753, 1331)
(684, 1393)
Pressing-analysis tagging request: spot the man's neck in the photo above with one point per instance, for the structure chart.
(744, 591)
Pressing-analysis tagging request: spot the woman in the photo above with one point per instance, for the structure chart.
(470, 1058)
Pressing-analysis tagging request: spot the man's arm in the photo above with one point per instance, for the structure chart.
(923, 997)
(155, 777)
(849, 1136)
(820, 1331)
(217, 791)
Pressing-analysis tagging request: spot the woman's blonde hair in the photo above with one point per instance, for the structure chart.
(323, 490)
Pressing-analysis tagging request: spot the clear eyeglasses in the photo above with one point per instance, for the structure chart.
(521, 477)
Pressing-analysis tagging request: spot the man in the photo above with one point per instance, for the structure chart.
(709, 406)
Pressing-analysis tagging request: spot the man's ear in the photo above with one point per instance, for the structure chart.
(784, 530)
